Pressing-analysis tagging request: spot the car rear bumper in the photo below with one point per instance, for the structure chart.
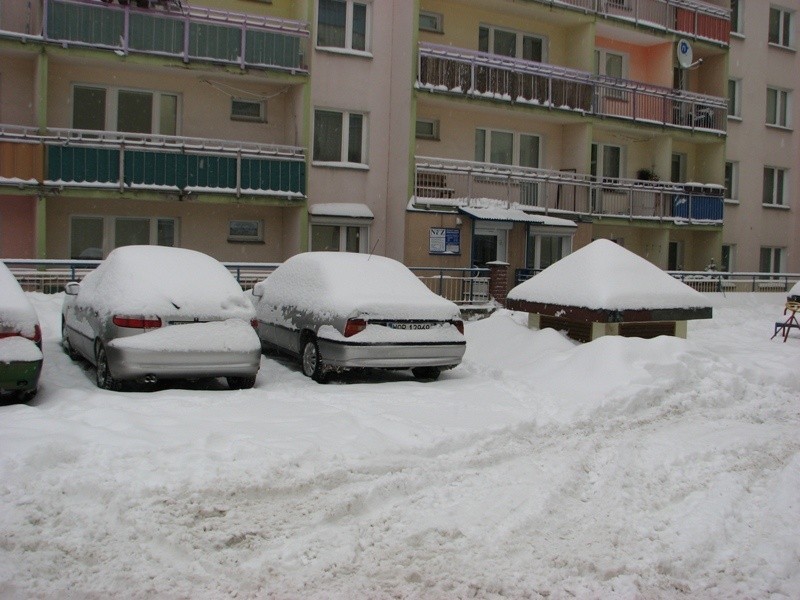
(20, 376)
(391, 356)
(135, 363)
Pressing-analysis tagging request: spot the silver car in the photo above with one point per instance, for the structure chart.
(339, 310)
(149, 312)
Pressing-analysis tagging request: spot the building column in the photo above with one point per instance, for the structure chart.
(498, 281)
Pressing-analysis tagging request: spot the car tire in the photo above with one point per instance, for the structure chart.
(68, 349)
(429, 373)
(241, 383)
(103, 375)
(311, 361)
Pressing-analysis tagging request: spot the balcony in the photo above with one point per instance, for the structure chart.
(459, 72)
(557, 193)
(167, 164)
(164, 29)
(684, 17)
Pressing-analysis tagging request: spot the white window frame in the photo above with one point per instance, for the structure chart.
(109, 229)
(731, 266)
(784, 14)
(733, 196)
(737, 17)
(347, 48)
(783, 108)
(258, 236)
(343, 151)
(363, 226)
(535, 235)
(437, 19)
(777, 254)
(600, 61)
(780, 183)
(735, 101)
(515, 149)
(519, 42)
(262, 110)
(600, 155)
(112, 105)
(434, 126)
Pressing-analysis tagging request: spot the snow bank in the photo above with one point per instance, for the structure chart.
(18, 349)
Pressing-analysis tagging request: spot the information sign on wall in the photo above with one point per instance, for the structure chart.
(445, 240)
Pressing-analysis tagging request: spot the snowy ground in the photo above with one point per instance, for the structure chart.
(539, 468)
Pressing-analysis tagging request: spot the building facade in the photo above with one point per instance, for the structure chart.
(762, 217)
(444, 133)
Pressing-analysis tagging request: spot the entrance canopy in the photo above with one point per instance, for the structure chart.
(515, 215)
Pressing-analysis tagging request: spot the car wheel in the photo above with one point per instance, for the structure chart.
(70, 351)
(430, 373)
(241, 383)
(312, 361)
(103, 374)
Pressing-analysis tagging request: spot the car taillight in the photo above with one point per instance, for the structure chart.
(254, 324)
(37, 334)
(6, 332)
(459, 325)
(354, 326)
(137, 321)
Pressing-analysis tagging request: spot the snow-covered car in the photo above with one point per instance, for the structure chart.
(150, 312)
(20, 341)
(339, 310)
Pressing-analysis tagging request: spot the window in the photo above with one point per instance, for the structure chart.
(338, 238)
(728, 257)
(774, 186)
(678, 167)
(95, 237)
(115, 109)
(780, 27)
(343, 24)
(507, 148)
(511, 43)
(611, 64)
(248, 110)
(732, 180)
(778, 107)
(489, 242)
(245, 230)
(607, 161)
(428, 129)
(737, 14)
(429, 21)
(340, 137)
(545, 248)
(734, 98)
(771, 260)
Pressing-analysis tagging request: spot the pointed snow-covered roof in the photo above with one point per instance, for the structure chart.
(604, 275)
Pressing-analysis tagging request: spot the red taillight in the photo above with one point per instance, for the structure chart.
(6, 332)
(354, 326)
(254, 324)
(137, 321)
(459, 325)
(37, 334)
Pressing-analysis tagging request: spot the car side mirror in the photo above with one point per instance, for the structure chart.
(72, 288)
(258, 290)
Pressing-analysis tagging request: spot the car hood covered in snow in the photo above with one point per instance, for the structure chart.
(16, 311)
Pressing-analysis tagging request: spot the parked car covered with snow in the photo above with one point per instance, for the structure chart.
(20, 341)
(150, 312)
(339, 310)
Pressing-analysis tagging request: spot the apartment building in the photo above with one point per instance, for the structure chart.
(541, 126)
(153, 122)
(446, 133)
(762, 217)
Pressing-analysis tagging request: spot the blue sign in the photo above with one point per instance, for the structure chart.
(444, 240)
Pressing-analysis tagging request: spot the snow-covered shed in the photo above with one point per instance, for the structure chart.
(604, 289)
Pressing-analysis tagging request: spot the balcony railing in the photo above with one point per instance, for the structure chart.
(183, 32)
(685, 17)
(456, 182)
(444, 69)
(171, 164)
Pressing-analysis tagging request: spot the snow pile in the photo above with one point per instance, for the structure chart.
(539, 468)
(18, 348)
(604, 275)
(233, 335)
(16, 311)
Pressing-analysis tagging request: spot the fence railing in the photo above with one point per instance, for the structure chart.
(81, 158)
(169, 29)
(686, 17)
(464, 286)
(562, 193)
(445, 69)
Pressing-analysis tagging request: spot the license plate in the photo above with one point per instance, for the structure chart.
(409, 326)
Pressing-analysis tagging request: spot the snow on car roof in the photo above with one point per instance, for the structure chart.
(16, 310)
(604, 275)
(158, 278)
(345, 283)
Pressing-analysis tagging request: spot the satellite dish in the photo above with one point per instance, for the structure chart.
(685, 54)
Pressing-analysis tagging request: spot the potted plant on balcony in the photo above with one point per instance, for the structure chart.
(646, 174)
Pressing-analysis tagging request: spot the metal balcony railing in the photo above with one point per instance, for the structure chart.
(457, 182)
(168, 29)
(444, 69)
(173, 164)
(685, 17)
